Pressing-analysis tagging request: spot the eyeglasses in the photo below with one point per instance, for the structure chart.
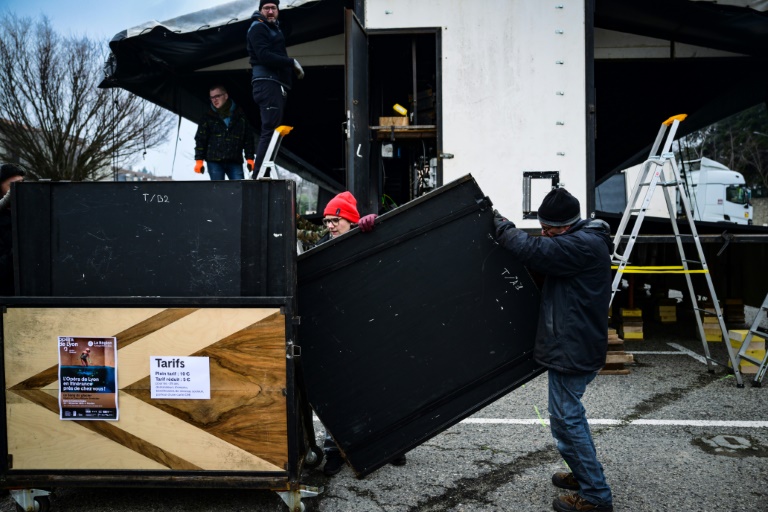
(267, 8)
(214, 98)
(331, 220)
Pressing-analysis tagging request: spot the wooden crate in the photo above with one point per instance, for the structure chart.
(666, 311)
(631, 323)
(756, 349)
(242, 427)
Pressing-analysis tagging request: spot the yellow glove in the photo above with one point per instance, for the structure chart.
(199, 169)
(249, 164)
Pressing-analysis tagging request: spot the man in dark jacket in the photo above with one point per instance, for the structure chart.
(572, 335)
(222, 137)
(8, 174)
(271, 72)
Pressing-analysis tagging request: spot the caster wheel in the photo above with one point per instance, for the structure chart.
(42, 504)
(314, 457)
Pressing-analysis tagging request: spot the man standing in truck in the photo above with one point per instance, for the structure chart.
(271, 72)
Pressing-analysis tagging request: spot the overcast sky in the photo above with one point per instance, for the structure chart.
(101, 20)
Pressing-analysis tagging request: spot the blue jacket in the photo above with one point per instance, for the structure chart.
(266, 50)
(572, 334)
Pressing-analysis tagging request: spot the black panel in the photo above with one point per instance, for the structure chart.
(32, 243)
(172, 239)
(408, 329)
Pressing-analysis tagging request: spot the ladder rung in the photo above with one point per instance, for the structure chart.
(706, 311)
(760, 333)
(752, 360)
(693, 261)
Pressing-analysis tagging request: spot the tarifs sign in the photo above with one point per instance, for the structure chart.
(180, 378)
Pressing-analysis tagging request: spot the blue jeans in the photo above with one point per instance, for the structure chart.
(217, 170)
(568, 421)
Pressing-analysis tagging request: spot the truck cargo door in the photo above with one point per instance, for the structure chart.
(359, 178)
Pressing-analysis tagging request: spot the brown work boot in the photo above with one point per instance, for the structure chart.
(565, 481)
(575, 503)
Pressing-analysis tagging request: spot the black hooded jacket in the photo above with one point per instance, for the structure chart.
(572, 334)
(267, 54)
(217, 141)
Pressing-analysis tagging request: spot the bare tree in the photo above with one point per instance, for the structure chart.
(53, 116)
(738, 142)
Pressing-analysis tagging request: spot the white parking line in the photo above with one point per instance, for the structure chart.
(658, 423)
(691, 353)
(655, 423)
(657, 353)
(680, 351)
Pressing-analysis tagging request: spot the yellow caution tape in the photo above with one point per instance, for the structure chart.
(659, 270)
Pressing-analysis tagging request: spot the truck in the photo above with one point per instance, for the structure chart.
(716, 193)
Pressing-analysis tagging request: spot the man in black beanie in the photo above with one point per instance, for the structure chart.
(572, 334)
(9, 173)
(271, 72)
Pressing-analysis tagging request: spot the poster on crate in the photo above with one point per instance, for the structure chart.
(88, 378)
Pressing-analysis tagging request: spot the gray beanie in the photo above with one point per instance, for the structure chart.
(559, 208)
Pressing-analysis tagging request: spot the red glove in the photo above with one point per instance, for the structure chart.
(249, 164)
(199, 169)
(366, 223)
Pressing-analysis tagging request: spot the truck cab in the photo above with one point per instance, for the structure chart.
(717, 193)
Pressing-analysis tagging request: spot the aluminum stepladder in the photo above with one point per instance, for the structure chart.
(274, 146)
(661, 171)
(755, 330)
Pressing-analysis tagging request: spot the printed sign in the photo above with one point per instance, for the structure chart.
(88, 378)
(180, 377)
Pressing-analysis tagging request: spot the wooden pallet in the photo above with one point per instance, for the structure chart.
(616, 357)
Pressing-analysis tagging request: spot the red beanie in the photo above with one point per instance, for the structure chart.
(343, 205)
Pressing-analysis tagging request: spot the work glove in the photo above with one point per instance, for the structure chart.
(249, 164)
(499, 220)
(199, 168)
(366, 223)
(298, 69)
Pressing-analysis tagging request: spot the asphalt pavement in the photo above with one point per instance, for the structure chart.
(671, 435)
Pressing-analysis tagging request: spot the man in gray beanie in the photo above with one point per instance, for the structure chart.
(572, 336)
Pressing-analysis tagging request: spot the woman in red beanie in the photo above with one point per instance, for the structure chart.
(341, 215)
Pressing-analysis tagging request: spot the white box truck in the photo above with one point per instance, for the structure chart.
(716, 193)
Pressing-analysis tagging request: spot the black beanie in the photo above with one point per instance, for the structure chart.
(262, 2)
(9, 171)
(559, 208)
